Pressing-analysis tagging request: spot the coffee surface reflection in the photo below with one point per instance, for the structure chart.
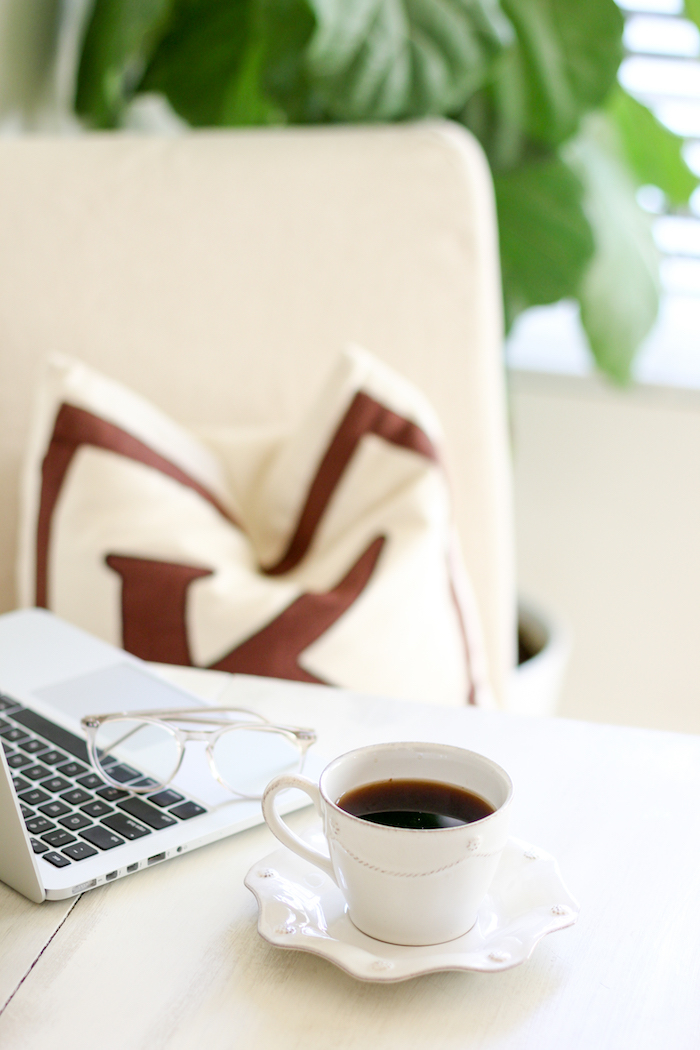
(418, 804)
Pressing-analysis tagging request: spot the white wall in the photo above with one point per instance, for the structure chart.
(607, 488)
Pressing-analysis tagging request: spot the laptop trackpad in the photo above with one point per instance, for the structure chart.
(121, 687)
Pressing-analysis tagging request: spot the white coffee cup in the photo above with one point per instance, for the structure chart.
(404, 885)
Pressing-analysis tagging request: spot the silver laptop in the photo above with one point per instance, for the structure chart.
(65, 829)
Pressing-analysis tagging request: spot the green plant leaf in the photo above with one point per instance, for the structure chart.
(692, 11)
(288, 27)
(652, 151)
(391, 59)
(199, 57)
(234, 62)
(619, 293)
(118, 39)
(569, 56)
(546, 242)
(497, 114)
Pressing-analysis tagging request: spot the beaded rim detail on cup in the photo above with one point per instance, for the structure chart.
(417, 874)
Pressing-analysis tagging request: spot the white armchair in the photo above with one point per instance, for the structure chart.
(220, 273)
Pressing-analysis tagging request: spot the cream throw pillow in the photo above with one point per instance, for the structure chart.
(323, 555)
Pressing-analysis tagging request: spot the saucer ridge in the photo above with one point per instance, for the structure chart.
(299, 907)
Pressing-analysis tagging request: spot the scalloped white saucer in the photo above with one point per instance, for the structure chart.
(301, 908)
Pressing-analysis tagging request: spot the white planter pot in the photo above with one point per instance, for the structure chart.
(535, 684)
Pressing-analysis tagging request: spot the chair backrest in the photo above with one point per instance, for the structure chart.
(219, 274)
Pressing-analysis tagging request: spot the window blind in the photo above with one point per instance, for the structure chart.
(661, 69)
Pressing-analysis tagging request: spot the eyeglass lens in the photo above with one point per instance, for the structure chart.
(148, 747)
(245, 759)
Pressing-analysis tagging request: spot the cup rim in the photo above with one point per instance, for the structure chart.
(389, 745)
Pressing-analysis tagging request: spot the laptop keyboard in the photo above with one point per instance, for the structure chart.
(69, 811)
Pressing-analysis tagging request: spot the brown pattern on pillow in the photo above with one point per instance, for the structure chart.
(75, 427)
(154, 595)
(326, 557)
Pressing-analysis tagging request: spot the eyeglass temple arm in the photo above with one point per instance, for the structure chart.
(197, 717)
(202, 715)
(116, 743)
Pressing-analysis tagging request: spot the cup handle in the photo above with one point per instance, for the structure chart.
(278, 827)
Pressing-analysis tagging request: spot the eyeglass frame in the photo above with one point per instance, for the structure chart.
(301, 737)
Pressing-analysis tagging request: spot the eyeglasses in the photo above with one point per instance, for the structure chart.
(143, 751)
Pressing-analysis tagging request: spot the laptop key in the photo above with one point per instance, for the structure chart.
(38, 847)
(38, 824)
(123, 773)
(76, 796)
(54, 809)
(34, 796)
(101, 837)
(74, 821)
(6, 702)
(16, 761)
(166, 798)
(111, 794)
(187, 810)
(52, 758)
(137, 807)
(13, 733)
(80, 851)
(31, 745)
(97, 809)
(59, 837)
(91, 780)
(35, 772)
(20, 784)
(54, 733)
(55, 784)
(27, 813)
(123, 825)
(56, 859)
(71, 769)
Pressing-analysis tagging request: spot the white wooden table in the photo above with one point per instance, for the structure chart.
(171, 957)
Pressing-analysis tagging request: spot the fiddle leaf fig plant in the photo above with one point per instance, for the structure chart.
(396, 59)
(534, 80)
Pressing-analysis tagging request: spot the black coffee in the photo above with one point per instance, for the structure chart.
(415, 804)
